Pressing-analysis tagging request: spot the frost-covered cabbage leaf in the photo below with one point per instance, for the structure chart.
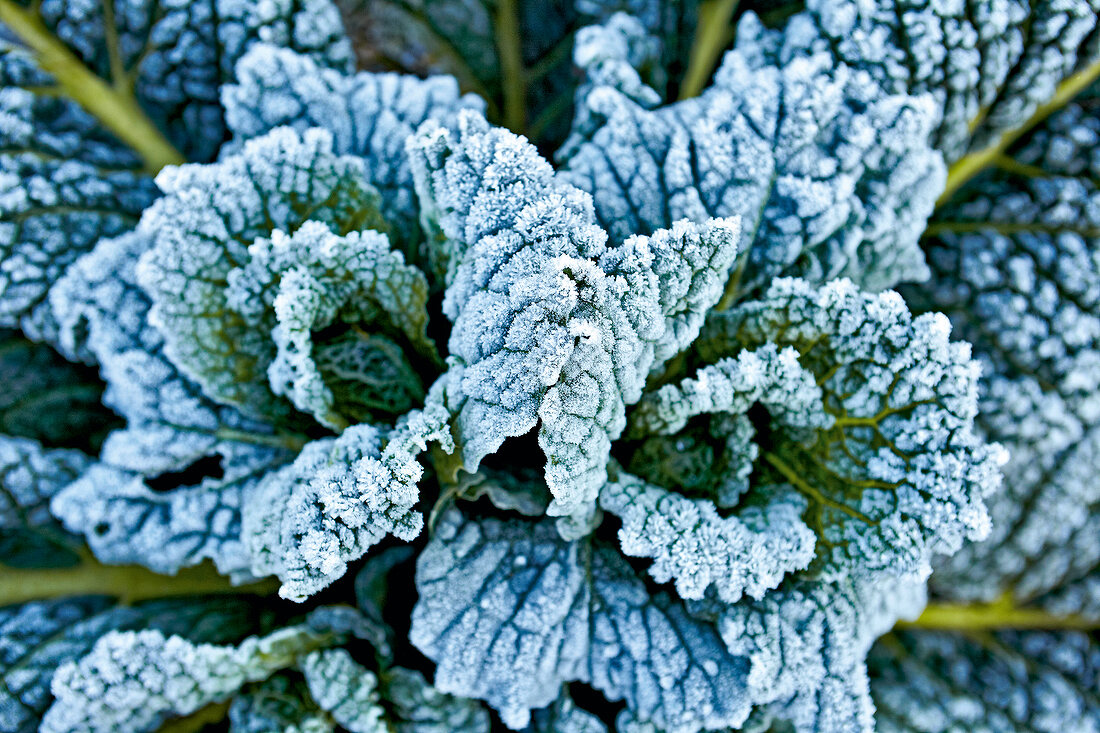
(135, 680)
(989, 66)
(551, 327)
(515, 55)
(30, 475)
(1016, 262)
(832, 176)
(94, 96)
(509, 611)
(1002, 682)
(836, 427)
(806, 646)
(369, 115)
(307, 521)
(297, 675)
(168, 487)
(38, 637)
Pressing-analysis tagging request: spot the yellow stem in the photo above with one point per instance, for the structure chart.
(712, 34)
(513, 75)
(972, 164)
(1002, 613)
(113, 106)
(128, 583)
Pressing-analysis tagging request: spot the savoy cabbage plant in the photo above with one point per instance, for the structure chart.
(592, 365)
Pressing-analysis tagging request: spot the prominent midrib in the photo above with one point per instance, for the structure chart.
(970, 165)
(115, 107)
(1002, 613)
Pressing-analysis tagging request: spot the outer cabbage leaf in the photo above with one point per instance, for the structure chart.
(369, 115)
(135, 680)
(509, 611)
(550, 327)
(37, 637)
(29, 476)
(863, 417)
(67, 180)
(48, 399)
(216, 326)
(998, 682)
(1016, 257)
(806, 644)
(832, 176)
(989, 66)
(342, 495)
(149, 499)
(178, 54)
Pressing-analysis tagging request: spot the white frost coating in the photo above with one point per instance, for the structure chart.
(346, 689)
(134, 680)
(550, 326)
(870, 415)
(745, 554)
(342, 495)
(65, 181)
(1017, 269)
(988, 65)
(314, 279)
(101, 315)
(834, 177)
(509, 611)
(203, 226)
(370, 115)
(767, 376)
(806, 646)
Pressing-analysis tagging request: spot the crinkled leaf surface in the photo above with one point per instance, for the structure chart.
(215, 312)
(806, 645)
(370, 115)
(989, 66)
(551, 328)
(37, 637)
(146, 69)
(509, 611)
(168, 487)
(340, 497)
(863, 419)
(832, 176)
(300, 284)
(135, 680)
(1016, 258)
